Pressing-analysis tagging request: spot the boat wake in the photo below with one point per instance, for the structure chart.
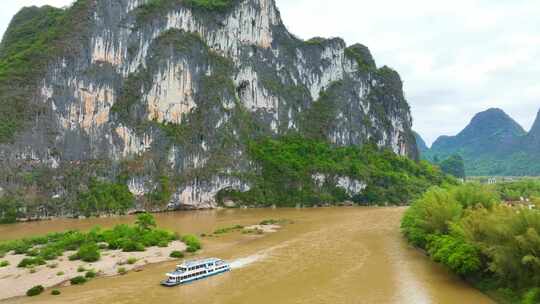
(246, 261)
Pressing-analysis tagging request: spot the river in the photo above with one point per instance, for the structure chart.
(327, 255)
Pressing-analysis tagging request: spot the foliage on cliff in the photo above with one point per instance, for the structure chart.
(104, 197)
(287, 167)
(35, 36)
(490, 244)
(155, 8)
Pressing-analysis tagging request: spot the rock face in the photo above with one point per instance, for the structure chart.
(534, 134)
(160, 88)
(420, 143)
(492, 144)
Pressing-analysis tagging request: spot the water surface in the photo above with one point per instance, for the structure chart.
(328, 255)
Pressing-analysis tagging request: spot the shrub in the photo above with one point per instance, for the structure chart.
(145, 221)
(192, 242)
(228, 229)
(81, 269)
(132, 260)
(210, 5)
(21, 247)
(78, 280)
(458, 255)
(74, 257)
(431, 214)
(122, 270)
(60, 273)
(34, 291)
(27, 262)
(132, 246)
(4, 263)
(49, 253)
(90, 274)
(532, 296)
(55, 292)
(269, 222)
(32, 253)
(177, 254)
(89, 252)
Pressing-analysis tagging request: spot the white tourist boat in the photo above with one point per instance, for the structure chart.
(195, 270)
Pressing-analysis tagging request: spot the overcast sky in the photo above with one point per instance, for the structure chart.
(456, 58)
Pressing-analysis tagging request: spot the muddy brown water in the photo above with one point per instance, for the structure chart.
(327, 255)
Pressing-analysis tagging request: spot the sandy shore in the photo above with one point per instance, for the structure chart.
(16, 281)
(263, 228)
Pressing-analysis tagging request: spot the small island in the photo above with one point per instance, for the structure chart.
(30, 265)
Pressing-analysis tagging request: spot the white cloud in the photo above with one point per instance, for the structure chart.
(456, 58)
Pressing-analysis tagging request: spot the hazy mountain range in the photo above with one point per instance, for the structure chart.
(491, 144)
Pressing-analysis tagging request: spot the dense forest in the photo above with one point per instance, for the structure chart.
(489, 235)
(288, 167)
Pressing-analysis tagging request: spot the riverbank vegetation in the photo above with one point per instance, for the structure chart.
(77, 257)
(491, 243)
(88, 246)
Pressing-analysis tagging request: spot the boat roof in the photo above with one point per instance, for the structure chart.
(189, 264)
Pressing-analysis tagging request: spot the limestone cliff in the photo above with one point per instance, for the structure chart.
(144, 89)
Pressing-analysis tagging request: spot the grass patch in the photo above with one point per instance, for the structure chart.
(192, 242)
(122, 270)
(228, 229)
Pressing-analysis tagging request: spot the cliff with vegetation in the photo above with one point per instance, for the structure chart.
(108, 105)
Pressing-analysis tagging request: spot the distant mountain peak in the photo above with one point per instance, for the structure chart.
(535, 130)
(492, 122)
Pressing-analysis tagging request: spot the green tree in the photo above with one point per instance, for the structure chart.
(161, 196)
(145, 221)
(105, 197)
(454, 165)
(460, 256)
(89, 252)
(9, 209)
